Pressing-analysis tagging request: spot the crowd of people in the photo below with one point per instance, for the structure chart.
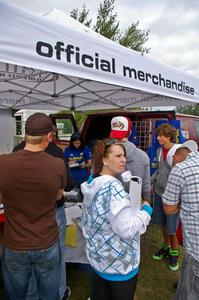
(32, 183)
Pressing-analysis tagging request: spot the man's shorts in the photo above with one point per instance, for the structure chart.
(188, 284)
(160, 218)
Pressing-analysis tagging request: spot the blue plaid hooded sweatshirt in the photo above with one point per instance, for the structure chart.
(111, 229)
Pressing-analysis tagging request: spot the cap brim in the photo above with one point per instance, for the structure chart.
(191, 145)
(118, 134)
(171, 153)
(54, 128)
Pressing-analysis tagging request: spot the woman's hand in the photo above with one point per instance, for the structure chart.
(83, 165)
(72, 162)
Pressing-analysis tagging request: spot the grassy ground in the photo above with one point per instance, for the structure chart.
(155, 280)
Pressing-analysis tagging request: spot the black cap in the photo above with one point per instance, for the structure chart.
(54, 129)
(38, 124)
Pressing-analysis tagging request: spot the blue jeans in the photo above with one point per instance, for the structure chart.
(61, 222)
(32, 293)
(17, 269)
(32, 289)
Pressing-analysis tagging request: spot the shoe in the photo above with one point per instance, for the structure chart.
(173, 260)
(67, 294)
(162, 253)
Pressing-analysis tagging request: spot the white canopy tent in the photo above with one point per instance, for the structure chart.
(44, 65)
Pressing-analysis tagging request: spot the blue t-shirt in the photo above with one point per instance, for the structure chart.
(79, 174)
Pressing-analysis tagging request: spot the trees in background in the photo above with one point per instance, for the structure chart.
(107, 24)
(189, 109)
(81, 16)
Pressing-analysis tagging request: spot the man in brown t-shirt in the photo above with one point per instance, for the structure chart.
(31, 181)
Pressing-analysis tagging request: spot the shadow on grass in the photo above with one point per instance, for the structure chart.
(155, 279)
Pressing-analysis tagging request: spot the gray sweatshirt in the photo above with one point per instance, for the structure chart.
(139, 164)
(160, 177)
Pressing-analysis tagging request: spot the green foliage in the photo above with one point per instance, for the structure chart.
(81, 16)
(189, 109)
(79, 118)
(135, 38)
(107, 24)
(66, 126)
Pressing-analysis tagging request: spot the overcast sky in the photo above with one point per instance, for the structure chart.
(173, 24)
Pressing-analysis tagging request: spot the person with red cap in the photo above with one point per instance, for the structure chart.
(137, 160)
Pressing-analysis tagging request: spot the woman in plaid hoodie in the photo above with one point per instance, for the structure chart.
(111, 227)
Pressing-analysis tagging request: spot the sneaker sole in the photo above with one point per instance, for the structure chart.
(158, 257)
(174, 268)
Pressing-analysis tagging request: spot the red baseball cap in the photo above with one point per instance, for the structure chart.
(120, 127)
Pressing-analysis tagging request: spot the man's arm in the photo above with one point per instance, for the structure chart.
(171, 209)
(55, 151)
(70, 180)
(63, 180)
(172, 194)
(146, 183)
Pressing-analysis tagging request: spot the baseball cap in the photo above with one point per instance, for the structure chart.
(120, 127)
(190, 144)
(54, 128)
(38, 124)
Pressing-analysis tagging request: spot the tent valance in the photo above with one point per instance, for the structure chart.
(45, 65)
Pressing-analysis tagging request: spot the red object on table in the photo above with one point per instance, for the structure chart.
(2, 220)
(179, 233)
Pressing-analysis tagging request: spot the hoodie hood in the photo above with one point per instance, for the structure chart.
(90, 189)
(130, 151)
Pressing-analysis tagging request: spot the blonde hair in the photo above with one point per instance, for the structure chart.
(34, 140)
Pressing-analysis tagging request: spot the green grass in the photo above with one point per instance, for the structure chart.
(155, 280)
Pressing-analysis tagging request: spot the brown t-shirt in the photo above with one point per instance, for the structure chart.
(29, 185)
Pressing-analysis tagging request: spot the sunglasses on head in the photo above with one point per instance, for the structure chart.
(111, 141)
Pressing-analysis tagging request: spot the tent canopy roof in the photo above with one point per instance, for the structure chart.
(54, 62)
